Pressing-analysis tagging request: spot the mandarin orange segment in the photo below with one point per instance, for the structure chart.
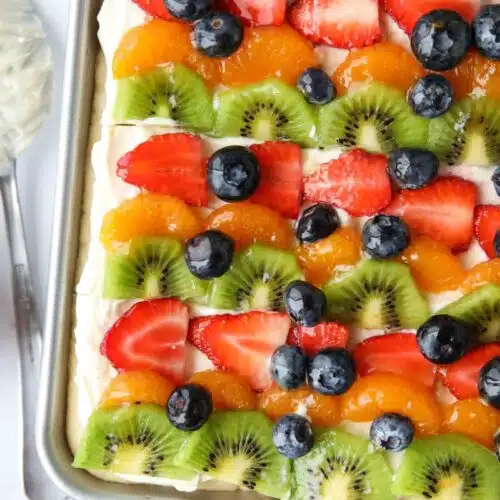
(472, 418)
(137, 387)
(229, 392)
(379, 393)
(480, 275)
(319, 260)
(248, 223)
(385, 62)
(148, 215)
(323, 411)
(434, 268)
(209, 68)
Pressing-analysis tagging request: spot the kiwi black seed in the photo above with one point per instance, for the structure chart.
(173, 92)
(237, 448)
(257, 279)
(377, 294)
(448, 466)
(267, 111)
(376, 118)
(153, 267)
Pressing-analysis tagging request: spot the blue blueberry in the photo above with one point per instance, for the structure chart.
(331, 371)
(489, 382)
(233, 173)
(443, 339)
(496, 243)
(413, 168)
(496, 180)
(440, 39)
(316, 85)
(431, 96)
(317, 222)
(209, 255)
(486, 29)
(289, 367)
(385, 236)
(218, 34)
(189, 407)
(188, 10)
(305, 303)
(293, 436)
(392, 432)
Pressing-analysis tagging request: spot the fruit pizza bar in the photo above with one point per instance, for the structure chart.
(292, 280)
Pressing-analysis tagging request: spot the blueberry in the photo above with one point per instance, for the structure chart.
(431, 96)
(188, 10)
(209, 255)
(489, 382)
(218, 34)
(413, 168)
(486, 29)
(385, 236)
(233, 173)
(443, 339)
(317, 222)
(304, 303)
(189, 407)
(332, 371)
(440, 39)
(293, 436)
(289, 367)
(496, 180)
(316, 85)
(392, 432)
(496, 243)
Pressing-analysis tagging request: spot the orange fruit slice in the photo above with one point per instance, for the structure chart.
(480, 275)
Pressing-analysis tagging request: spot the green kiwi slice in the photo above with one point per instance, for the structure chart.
(341, 465)
(153, 267)
(257, 279)
(376, 118)
(267, 111)
(448, 467)
(237, 448)
(377, 294)
(173, 92)
(469, 133)
(136, 440)
(481, 310)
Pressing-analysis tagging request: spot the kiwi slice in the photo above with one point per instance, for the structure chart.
(136, 440)
(342, 466)
(481, 310)
(469, 133)
(173, 92)
(267, 111)
(153, 267)
(377, 294)
(448, 467)
(237, 448)
(257, 279)
(376, 118)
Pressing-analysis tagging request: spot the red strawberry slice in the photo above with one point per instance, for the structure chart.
(407, 12)
(486, 226)
(280, 185)
(256, 12)
(314, 339)
(151, 335)
(444, 210)
(358, 182)
(242, 343)
(171, 164)
(155, 8)
(394, 353)
(461, 377)
(340, 23)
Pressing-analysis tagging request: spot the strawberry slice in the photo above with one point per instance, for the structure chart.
(358, 182)
(407, 12)
(337, 22)
(444, 210)
(242, 343)
(462, 377)
(280, 185)
(487, 225)
(151, 335)
(255, 12)
(394, 353)
(314, 339)
(155, 8)
(171, 164)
